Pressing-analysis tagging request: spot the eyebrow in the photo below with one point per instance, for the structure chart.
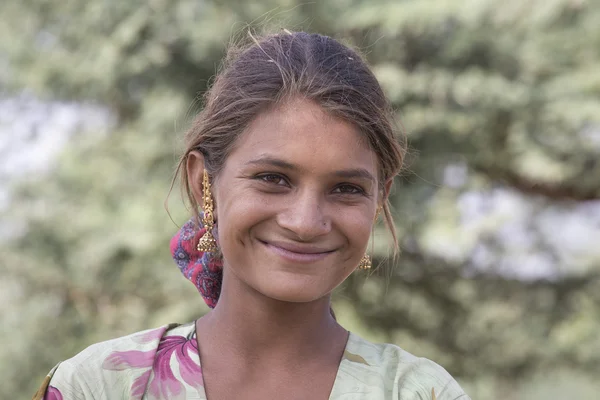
(276, 162)
(353, 173)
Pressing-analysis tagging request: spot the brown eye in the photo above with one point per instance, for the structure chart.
(348, 189)
(272, 178)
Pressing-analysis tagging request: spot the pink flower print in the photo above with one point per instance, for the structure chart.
(160, 378)
(53, 394)
(121, 360)
(164, 384)
(150, 336)
(132, 359)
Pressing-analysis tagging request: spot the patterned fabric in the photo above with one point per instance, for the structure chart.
(164, 363)
(204, 270)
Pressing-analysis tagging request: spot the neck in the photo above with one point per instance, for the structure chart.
(251, 324)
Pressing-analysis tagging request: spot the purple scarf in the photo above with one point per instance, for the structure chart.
(204, 270)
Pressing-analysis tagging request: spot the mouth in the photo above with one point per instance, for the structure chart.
(297, 253)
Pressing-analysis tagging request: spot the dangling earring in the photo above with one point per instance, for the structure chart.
(207, 243)
(365, 261)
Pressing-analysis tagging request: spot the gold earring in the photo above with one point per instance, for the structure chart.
(207, 243)
(365, 262)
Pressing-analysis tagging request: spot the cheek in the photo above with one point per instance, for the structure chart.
(356, 225)
(238, 212)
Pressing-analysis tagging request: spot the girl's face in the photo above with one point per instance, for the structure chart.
(295, 203)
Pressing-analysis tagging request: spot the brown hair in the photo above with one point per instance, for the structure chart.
(276, 68)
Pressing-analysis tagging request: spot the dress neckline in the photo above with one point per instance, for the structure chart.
(348, 355)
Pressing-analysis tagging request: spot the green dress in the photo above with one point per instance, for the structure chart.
(164, 363)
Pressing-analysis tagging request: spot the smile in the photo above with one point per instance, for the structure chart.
(297, 253)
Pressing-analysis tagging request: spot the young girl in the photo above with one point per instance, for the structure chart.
(290, 162)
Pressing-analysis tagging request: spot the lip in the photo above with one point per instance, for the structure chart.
(296, 252)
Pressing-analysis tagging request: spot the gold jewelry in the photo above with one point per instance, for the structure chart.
(207, 243)
(365, 262)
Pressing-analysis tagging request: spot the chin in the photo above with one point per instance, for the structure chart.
(293, 291)
(294, 297)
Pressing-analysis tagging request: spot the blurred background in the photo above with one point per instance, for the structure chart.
(498, 210)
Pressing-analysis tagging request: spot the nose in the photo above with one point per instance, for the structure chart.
(305, 217)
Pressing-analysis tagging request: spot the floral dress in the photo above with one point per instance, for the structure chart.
(164, 363)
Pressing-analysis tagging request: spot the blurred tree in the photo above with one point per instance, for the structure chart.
(498, 213)
(502, 105)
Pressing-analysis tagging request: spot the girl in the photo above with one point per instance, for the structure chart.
(291, 162)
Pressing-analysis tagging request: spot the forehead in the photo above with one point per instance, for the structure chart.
(302, 133)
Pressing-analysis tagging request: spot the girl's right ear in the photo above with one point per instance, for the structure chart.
(195, 170)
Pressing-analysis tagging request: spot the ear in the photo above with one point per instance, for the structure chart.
(195, 171)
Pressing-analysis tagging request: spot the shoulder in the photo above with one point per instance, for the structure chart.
(388, 372)
(115, 368)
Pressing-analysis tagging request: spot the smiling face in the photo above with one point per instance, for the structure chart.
(296, 202)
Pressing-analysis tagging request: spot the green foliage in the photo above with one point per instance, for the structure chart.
(502, 108)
